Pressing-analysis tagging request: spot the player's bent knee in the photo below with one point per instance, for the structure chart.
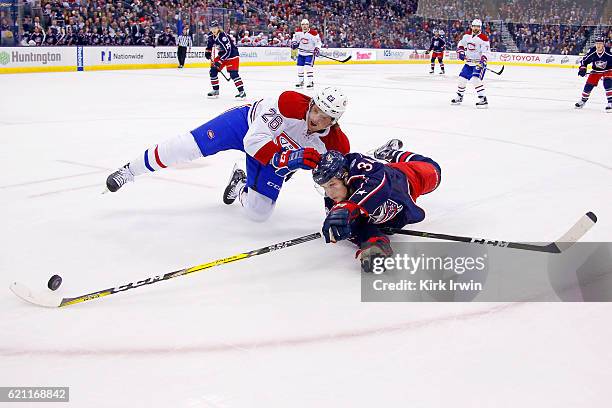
(258, 207)
(233, 74)
(213, 72)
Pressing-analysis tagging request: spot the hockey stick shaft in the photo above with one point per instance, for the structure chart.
(224, 76)
(133, 285)
(335, 59)
(571, 236)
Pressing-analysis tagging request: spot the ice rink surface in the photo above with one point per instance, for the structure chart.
(288, 329)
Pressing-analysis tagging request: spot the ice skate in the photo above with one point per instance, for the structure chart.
(579, 104)
(241, 95)
(385, 151)
(234, 186)
(609, 107)
(213, 94)
(300, 84)
(482, 103)
(310, 85)
(120, 177)
(457, 99)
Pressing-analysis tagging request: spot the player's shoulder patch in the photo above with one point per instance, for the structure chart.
(336, 140)
(483, 37)
(293, 104)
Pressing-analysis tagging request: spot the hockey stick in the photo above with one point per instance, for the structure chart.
(496, 72)
(225, 77)
(567, 240)
(337, 60)
(49, 299)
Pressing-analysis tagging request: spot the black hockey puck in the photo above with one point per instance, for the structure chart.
(54, 282)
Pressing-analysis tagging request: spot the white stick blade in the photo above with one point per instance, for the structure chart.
(583, 225)
(44, 299)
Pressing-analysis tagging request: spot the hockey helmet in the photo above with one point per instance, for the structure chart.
(332, 101)
(305, 21)
(477, 23)
(332, 164)
(215, 23)
(600, 38)
(441, 32)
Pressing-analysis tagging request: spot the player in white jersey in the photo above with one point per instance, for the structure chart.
(279, 136)
(474, 49)
(305, 47)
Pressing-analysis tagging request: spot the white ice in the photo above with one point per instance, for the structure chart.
(288, 329)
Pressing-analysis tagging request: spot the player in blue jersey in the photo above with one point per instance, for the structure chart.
(601, 58)
(227, 57)
(438, 46)
(364, 196)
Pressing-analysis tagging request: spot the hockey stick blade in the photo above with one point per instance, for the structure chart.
(48, 299)
(577, 231)
(337, 60)
(497, 72)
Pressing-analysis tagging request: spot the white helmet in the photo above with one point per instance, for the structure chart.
(332, 101)
(477, 22)
(304, 21)
(441, 32)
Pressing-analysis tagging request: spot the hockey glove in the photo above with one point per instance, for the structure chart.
(294, 45)
(316, 52)
(207, 54)
(217, 65)
(427, 52)
(291, 160)
(373, 248)
(461, 54)
(337, 224)
(582, 71)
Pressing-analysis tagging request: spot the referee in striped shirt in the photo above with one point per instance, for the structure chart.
(184, 42)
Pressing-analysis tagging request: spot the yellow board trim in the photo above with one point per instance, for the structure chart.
(20, 70)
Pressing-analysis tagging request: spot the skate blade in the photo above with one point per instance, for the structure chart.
(482, 107)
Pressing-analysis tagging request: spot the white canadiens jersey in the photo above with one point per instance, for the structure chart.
(277, 124)
(475, 47)
(307, 42)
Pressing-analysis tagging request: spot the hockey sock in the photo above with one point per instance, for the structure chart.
(608, 86)
(300, 73)
(433, 63)
(461, 86)
(237, 80)
(309, 74)
(399, 156)
(180, 149)
(441, 64)
(214, 81)
(586, 92)
(479, 87)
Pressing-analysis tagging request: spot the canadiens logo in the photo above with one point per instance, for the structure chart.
(471, 46)
(283, 140)
(385, 212)
(211, 134)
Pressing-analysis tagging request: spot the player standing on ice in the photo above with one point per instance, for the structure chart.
(474, 49)
(227, 57)
(305, 47)
(279, 135)
(438, 46)
(601, 58)
(364, 196)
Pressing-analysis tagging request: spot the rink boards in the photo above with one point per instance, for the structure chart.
(62, 59)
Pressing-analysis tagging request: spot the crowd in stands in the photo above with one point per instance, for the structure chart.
(342, 23)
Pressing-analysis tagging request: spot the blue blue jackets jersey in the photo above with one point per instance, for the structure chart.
(437, 44)
(225, 46)
(382, 191)
(601, 62)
